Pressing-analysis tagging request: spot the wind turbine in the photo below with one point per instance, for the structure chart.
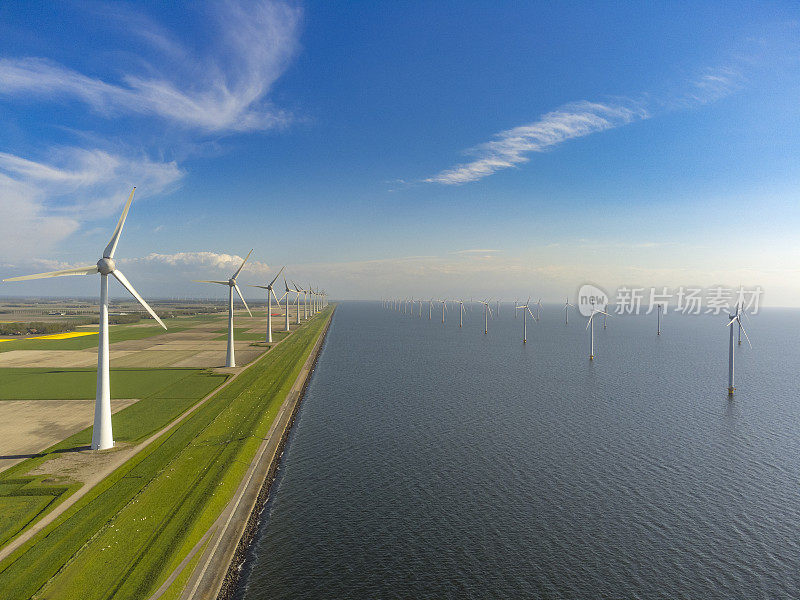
(444, 308)
(538, 306)
(735, 318)
(230, 360)
(590, 325)
(515, 310)
(498, 307)
(286, 295)
(102, 435)
(461, 313)
(566, 311)
(430, 310)
(525, 319)
(298, 292)
(270, 294)
(487, 310)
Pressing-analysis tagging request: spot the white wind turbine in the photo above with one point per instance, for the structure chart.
(487, 310)
(430, 310)
(590, 326)
(230, 360)
(102, 435)
(286, 295)
(461, 313)
(735, 318)
(525, 311)
(444, 308)
(270, 295)
(566, 311)
(516, 302)
(538, 306)
(299, 293)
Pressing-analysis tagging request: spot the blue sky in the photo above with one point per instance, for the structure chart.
(428, 149)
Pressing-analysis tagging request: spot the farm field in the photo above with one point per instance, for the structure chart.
(138, 523)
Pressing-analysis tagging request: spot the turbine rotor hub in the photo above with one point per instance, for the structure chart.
(106, 266)
(231, 282)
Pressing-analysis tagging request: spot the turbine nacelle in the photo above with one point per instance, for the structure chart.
(106, 266)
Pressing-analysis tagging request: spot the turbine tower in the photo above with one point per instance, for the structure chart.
(444, 308)
(590, 326)
(525, 312)
(566, 311)
(270, 294)
(735, 318)
(658, 330)
(102, 434)
(230, 360)
(461, 313)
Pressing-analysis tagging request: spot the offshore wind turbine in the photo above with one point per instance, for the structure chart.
(525, 311)
(566, 311)
(538, 306)
(590, 326)
(430, 310)
(735, 318)
(102, 435)
(444, 308)
(487, 310)
(230, 359)
(461, 313)
(270, 294)
(515, 304)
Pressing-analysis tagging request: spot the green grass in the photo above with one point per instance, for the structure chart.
(138, 524)
(116, 333)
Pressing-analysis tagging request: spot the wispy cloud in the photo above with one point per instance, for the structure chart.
(256, 41)
(44, 202)
(512, 147)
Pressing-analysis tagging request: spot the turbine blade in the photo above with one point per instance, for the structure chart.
(274, 295)
(207, 281)
(238, 291)
(127, 285)
(263, 287)
(602, 312)
(276, 276)
(112, 244)
(590, 321)
(61, 273)
(530, 313)
(745, 335)
(239, 270)
(731, 322)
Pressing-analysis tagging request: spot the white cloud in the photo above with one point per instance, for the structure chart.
(578, 119)
(43, 203)
(226, 263)
(511, 147)
(256, 41)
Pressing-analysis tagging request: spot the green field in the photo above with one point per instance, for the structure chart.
(243, 334)
(164, 394)
(116, 333)
(137, 525)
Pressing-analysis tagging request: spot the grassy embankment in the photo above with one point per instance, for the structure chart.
(125, 536)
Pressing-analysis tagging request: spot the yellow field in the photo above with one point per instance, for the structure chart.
(63, 336)
(7, 340)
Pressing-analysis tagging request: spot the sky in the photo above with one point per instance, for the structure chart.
(383, 149)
